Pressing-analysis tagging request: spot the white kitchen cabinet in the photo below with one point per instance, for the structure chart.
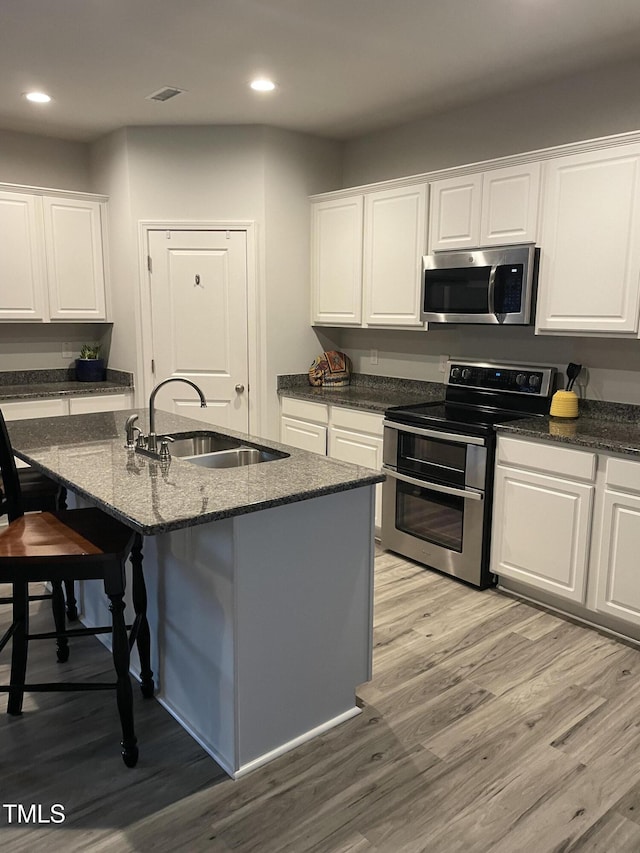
(336, 261)
(303, 424)
(75, 266)
(542, 518)
(617, 589)
(356, 437)
(366, 258)
(496, 207)
(395, 227)
(22, 281)
(50, 407)
(52, 264)
(590, 243)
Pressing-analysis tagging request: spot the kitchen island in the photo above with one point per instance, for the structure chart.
(259, 577)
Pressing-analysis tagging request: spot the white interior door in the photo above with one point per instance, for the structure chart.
(199, 323)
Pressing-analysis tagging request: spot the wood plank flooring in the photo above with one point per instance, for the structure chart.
(489, 725)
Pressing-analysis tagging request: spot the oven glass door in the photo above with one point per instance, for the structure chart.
(431, 458)
(431, 516)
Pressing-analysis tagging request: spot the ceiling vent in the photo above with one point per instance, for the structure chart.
(164, 94)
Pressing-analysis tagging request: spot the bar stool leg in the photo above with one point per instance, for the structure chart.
(19, 648)
(57, 604)
(140, 633)
(124, 693)
(70, 595)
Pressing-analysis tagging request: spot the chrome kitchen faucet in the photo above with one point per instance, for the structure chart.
(148, 444)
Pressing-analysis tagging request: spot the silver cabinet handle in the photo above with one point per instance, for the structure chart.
(434, 487)
(239, 388)
(434, 433)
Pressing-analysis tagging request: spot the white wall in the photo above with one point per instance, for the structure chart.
(296, 166)
(599, 103)
(207, 174)
(38, 161)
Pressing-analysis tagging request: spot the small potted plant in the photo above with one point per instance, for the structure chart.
(90, 367)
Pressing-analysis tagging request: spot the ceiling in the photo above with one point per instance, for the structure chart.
(343, 67)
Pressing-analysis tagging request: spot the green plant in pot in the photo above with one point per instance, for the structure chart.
(90, 367)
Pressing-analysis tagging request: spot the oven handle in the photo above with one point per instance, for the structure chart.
(435, 433)
(434, 487)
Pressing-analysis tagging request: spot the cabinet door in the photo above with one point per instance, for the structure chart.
(336, 262)
(541, 531)
(20, 410)
(22, 284)
(75, 267)
(510, 200)
(590, 241)
(394, 243)
(455, 213)
(100, 403)
(617, 587)
(303, 435)
(359, 449)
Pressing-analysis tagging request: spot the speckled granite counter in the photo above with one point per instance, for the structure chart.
(87, 454)
(36, 384)
(371, 393)
(606, 427)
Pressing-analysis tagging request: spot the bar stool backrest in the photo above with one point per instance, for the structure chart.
(10, 481)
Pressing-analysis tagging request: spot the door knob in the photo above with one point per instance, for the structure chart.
(239, 388)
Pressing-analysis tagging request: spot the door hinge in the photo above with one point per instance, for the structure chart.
(149, 263)
(153, 365)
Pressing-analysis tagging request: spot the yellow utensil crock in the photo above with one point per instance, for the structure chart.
(564, 404)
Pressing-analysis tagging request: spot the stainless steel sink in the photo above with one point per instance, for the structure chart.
(199, 442)
(211, 450)
(236, 458)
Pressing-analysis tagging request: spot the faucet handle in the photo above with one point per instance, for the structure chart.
(165, 455)
(130, 430)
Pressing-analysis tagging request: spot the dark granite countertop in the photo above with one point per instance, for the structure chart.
(36, 384)
(608, 435)
(86, 453)
(370, 393)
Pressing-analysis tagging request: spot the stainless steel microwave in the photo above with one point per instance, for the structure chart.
(493, 285)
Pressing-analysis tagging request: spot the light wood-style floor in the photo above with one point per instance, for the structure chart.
(489, 726)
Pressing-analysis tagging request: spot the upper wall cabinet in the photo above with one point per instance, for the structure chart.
(590, 244)
(490, 208)
(51, 257)
(366, 258)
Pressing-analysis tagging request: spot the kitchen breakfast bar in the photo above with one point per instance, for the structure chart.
(259, 577)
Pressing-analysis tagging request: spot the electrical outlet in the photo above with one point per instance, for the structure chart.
(374, 356)
(442, 364)
(69, 350)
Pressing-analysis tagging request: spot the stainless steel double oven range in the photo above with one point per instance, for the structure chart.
(439, 459)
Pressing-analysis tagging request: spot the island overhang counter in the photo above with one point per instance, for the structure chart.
(259, 578)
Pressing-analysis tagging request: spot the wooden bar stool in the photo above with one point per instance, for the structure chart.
(64, 545)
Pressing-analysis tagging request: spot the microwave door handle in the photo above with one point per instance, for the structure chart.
(434, 487)
(491, 294)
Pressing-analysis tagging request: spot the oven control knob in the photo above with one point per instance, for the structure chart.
(455, 372)
(534, 381)
(521, 379)
(466, 373)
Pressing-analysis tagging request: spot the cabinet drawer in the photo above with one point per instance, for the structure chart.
(306, 410)
(304, 435)
(560, 461)
(623, 474)
(20, 410)
(99, 403)
(354, 419)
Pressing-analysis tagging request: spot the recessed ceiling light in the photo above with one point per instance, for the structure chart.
(262, 85)
(37, 97)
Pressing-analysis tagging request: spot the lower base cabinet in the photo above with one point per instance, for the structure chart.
(566, 529)
(347, 434)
